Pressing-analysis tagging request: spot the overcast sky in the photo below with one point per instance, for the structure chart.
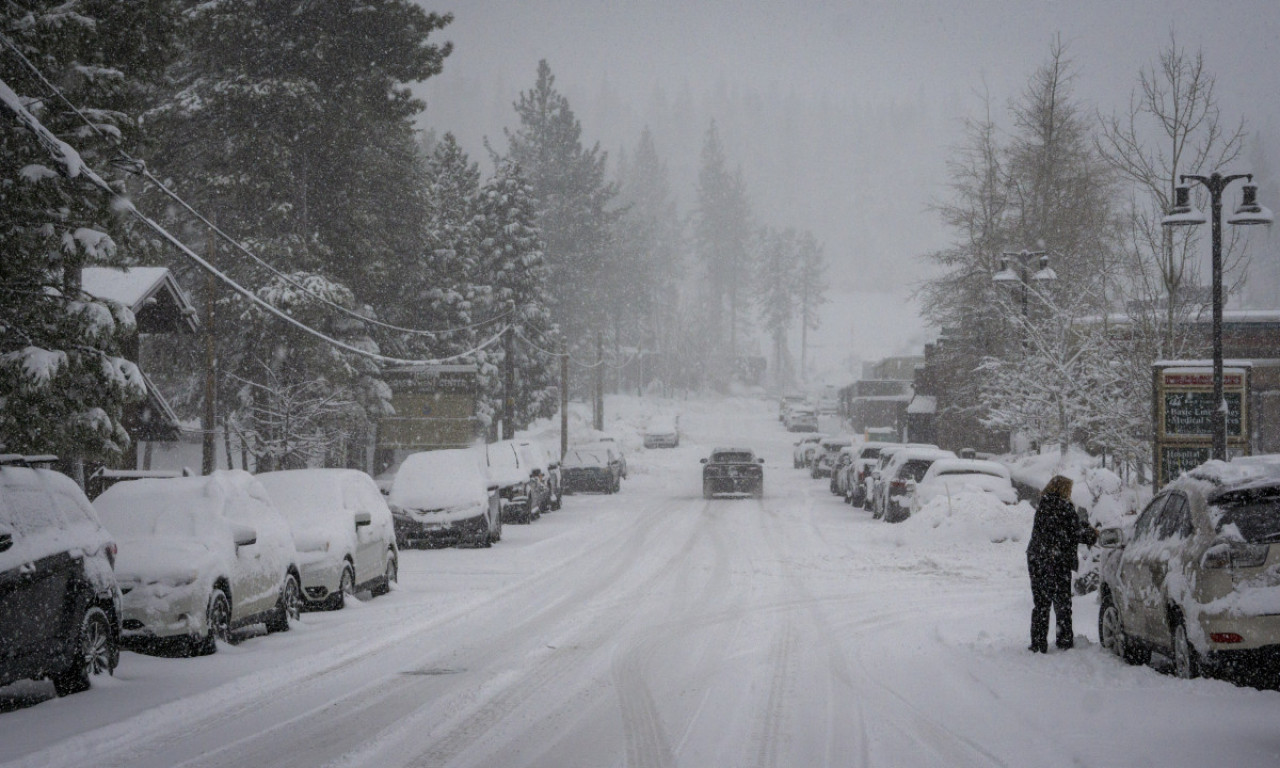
(862, 188)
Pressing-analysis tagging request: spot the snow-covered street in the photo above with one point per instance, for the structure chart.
(654, 628)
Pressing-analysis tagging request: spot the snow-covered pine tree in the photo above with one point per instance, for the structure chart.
(777, 264)
(512, 262)
(721, 229)
(573, 203)
(650, 234)
(63, 384)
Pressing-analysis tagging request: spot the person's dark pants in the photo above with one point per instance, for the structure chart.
(1050, 587)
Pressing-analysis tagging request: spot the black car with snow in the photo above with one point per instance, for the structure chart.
(732, 471)
(591, 468)
(60, 605)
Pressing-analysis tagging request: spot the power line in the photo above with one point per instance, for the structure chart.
(74, 166)
(139, 167)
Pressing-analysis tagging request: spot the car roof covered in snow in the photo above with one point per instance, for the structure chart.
(968, 466)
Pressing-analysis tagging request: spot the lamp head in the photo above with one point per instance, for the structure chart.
(1249, 212)
(1183, 213)
(1045, 273)
(1005, 275)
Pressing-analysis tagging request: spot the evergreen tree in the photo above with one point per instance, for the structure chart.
(63, 383)
(810, 291)
(722, 226)
(776, 286)
(649, 248)
(511, 258)
(573, 198)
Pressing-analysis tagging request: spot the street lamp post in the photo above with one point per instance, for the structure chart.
(1185, 214)
(1008, 275)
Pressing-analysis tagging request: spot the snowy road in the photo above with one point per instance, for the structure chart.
(654, 628)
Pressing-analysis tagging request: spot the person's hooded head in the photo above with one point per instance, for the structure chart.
(1059, 486)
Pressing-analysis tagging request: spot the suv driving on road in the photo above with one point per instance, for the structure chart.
(732, 470)
(59, 602)
(1197, 577)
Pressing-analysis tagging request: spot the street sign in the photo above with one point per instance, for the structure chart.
(1183, 411)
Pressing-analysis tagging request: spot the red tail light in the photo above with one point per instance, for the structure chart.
(1225, 637)
(898, 485)
(111, 553)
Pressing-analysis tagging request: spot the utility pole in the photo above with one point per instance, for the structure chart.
(208, 456)
(509, 385)
(564, 403)
(598, 421)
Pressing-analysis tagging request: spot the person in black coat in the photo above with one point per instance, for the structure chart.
(1051, 557)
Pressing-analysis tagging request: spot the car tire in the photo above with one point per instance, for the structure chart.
(346, 586)
(288, 605)
(1186, 662)
(391, 574)
(96, 651)
(217, 619)
(1111, 634)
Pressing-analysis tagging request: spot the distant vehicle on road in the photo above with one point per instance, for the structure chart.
(732, 470)
(663, 432)
(802, 418)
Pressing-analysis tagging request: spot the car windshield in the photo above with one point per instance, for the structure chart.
(584, 459)
(953, 472)
(732, 457)
(914, 469)
(1254, 512)
(503, 456)
(869, 453)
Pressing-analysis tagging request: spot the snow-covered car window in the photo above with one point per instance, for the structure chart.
(1255, 514)
(31, 507)
(732, 457)
(503, 457)
(1175, 519)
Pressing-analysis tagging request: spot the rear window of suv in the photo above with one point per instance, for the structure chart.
(735, 457)
(1255, 512)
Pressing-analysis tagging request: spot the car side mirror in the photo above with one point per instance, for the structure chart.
(243, 535)
(761, 459)
(704, 461)
(363, 519)
(535, 472)
(1111, 538)
(6, 541)
(911, 485)
(492, 487)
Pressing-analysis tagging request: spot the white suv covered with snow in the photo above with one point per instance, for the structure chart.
(1197, 577)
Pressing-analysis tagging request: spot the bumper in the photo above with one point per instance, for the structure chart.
(321, 575)
(1258, 635)
(156, 611)
(411, 532)
(712, 486)
(588, 481)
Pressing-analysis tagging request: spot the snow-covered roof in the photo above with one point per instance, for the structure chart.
(152, 293)
(923, 404)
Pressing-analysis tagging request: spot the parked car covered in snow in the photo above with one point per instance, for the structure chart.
(663, 431)
(893, 486)
(591, 468)
(1197, 576)
(342, 529)
(544, 472)
(858, 473)
(824, 459)
(802, 456)
(801, 418)
(839, 473)
(734, 471)
(953, 477)
(442, 498)
(519, 492)
(60, 606)
(201, 556)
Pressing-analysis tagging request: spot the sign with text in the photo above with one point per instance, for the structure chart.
(1184, 410)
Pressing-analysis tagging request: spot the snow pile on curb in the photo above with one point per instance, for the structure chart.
(970, 519)
(1097, 490)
